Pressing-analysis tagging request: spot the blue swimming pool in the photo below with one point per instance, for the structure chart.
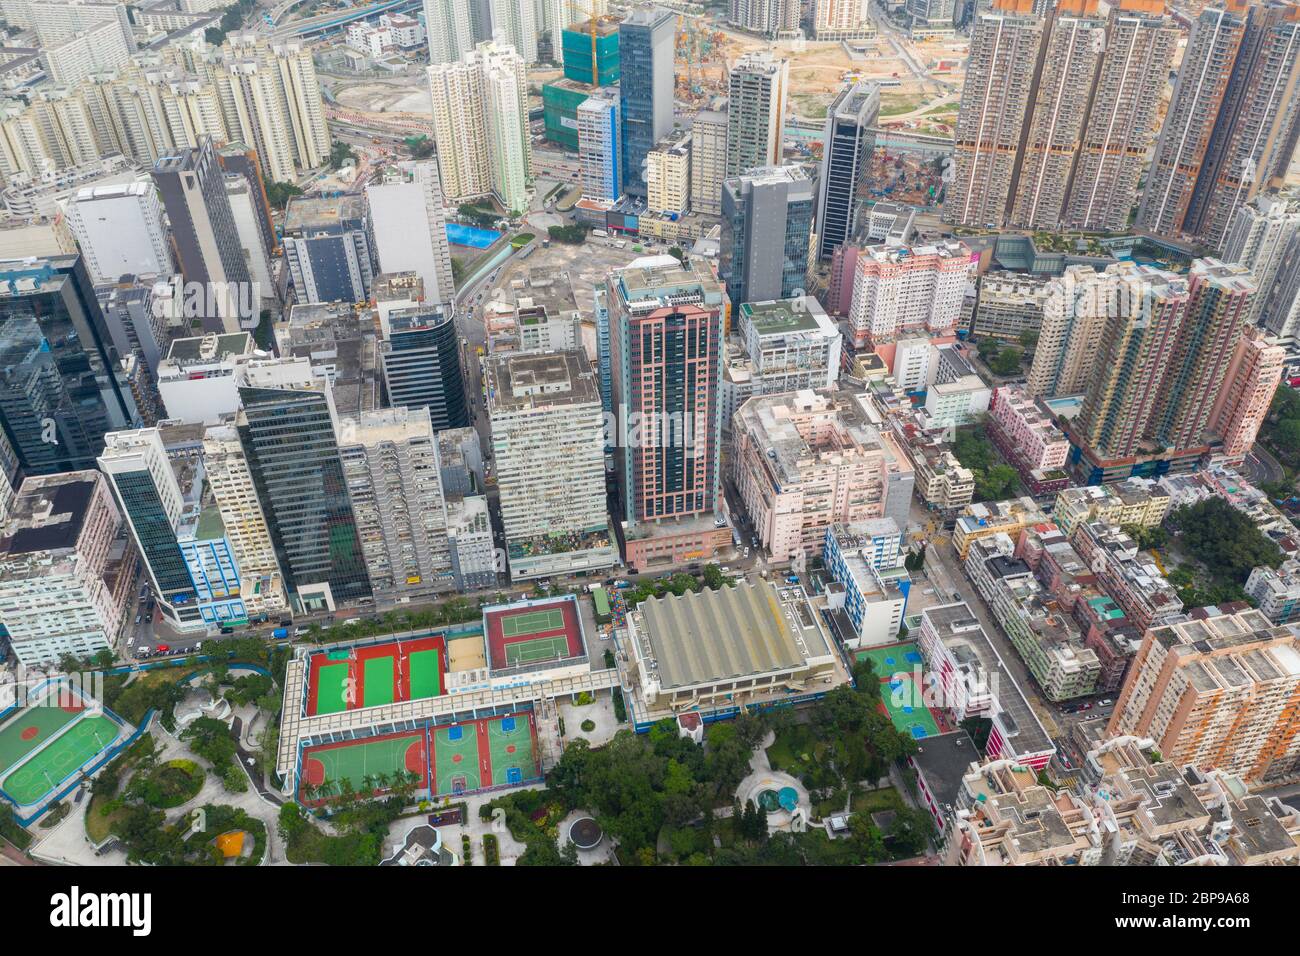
(462, 235)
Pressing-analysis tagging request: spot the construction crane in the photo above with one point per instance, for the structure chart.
(588, 9)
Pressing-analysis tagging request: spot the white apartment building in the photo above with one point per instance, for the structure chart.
(60, 587)
(598, 139)
(410, 228)
(390, 464)
(906, 288)
(448, 25)
(99, 48)
(668, 175)
(231, 481)
(708, 161)
(120, 230)
(548, 437)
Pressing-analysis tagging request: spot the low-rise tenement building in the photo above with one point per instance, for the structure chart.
(1131, 807)
(1276, 591)
(989, 517)
(1111, 636)
(869, 583)
(1160, 813)
(800, 463)
(1220, 481)
(1010, 304)
(713, 653)
(958, 402)
(970, 679)
(1041, 630)
(61, 563)
(1220, 691)
(1023, 430)
(1127, 574)
(1137, 501)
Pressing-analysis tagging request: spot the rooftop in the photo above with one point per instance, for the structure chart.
(518, 380)
(311, 213)
(47, 513)
(749, 629)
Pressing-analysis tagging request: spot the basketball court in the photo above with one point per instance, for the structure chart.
(902, 698)
(485, 753)
(533, 632)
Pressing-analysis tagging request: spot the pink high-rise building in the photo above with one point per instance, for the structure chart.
(901, 289)
(801, 463)
(1247, 391)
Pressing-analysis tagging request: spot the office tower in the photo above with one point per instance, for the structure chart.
(241, 512)
(768, 17)
(666, 324)
(1247, 391)
(668, 174)
(1072, 50)
(996, 103)
(458, 129)
(390, 462)
(187, 556)
(842, 19)
(514, 23)
(327, 248)
(1165, 351)
(579, 47)
(61, 384)
(767, 217)
(238, 159)
(288, 438)
(929, 16)
(421, 365)
(1258, 239)
(204, 234)
(908, 289)
(1219, 692)
(120, 230)
(1121, 125)
(449, 27)
(604, 369)
(1069, 338)
(410, 229)
(645, 44)
(244, 209)
(708, 161)
(1232, 124)
(548, 438)
(598, 146)
(138, 315)
(846, 160)
(758, 86)
(59, 589)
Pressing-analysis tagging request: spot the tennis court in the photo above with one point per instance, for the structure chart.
(30, 728)
(52, 765)
(533, 632)
(375, 674)
(364, 764)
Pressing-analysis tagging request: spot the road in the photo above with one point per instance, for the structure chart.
(1261, 467)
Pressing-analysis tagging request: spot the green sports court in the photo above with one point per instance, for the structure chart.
(29, 730)
(372, 675)
(326, 767)
(896, 666)
(479, 754)
(53, 764)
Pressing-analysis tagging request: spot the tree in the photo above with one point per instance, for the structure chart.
(279, 194)
(996, 483)
(1224, 540)
(1029, 339)
(1006, 362)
